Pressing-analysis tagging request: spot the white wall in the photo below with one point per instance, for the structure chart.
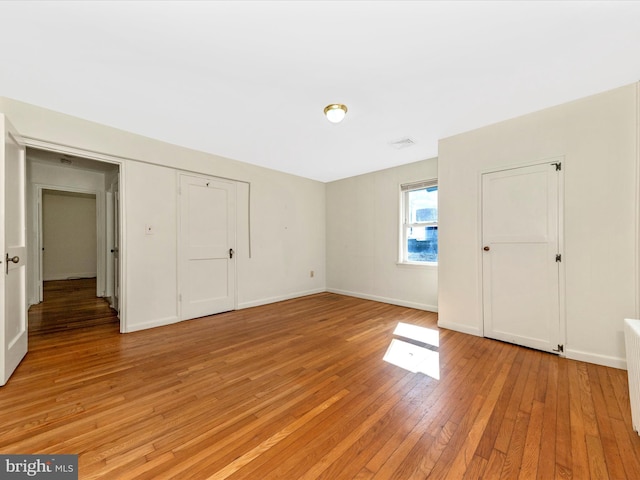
(151, 284)
(363, 222)
(287, 216)
(287, 238)
(65, 177)
(69, 235)
(598, 138)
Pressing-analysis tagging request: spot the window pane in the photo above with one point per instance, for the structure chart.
(422, 244)
(423, 205)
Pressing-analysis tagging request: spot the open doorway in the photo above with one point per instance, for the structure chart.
(73, 217)
(68, 235)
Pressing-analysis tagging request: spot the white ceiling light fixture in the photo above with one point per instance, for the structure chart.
(335, 112)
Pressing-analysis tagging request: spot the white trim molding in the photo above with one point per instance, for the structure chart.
(158, 322)
(462, 328)
(606, 360)
(392, 301)
(279, 298)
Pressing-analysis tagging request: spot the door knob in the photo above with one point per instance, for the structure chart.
(8, 259)
(487, 248)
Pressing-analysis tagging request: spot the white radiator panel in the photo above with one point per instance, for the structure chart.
(632, 345)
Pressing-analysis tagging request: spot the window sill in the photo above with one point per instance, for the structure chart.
(427, 265)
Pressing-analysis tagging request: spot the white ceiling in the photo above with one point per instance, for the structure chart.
(249, 80)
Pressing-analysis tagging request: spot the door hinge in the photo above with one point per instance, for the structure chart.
(558, 257)
(558, 166)
(560, 349)
(179, 297)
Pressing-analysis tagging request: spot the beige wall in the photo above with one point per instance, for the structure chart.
(363, 234)
(597, 138)
(69, 235)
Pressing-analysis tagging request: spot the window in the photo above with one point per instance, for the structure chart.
(419, 222)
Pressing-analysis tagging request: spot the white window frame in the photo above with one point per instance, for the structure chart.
(405, 221)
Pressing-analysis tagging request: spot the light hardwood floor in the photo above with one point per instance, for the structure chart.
(299, 390)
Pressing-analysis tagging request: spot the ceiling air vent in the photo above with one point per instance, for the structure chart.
(402, 143)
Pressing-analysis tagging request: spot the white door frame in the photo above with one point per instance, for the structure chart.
(39, 234)
(106, 158)
(562, 335)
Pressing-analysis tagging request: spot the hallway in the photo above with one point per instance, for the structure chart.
(69, 305)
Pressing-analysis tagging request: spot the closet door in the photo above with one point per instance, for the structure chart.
(207, 241)
(520, 268)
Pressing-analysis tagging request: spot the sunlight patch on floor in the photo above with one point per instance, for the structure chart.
(420, 354)
(425, 335)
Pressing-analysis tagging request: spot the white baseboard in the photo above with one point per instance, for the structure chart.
(68, 276)
(459, 327)
(279, 298)
(159, 322)
(605, 360)
(392, 301)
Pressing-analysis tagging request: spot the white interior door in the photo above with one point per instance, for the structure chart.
(520, 212)
(40, 241)
(108, 201)
(112, 241)
(207, 242)
(13, 283)
(115, 251)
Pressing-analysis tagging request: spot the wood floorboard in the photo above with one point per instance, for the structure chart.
(69, 305)
(299, 390)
